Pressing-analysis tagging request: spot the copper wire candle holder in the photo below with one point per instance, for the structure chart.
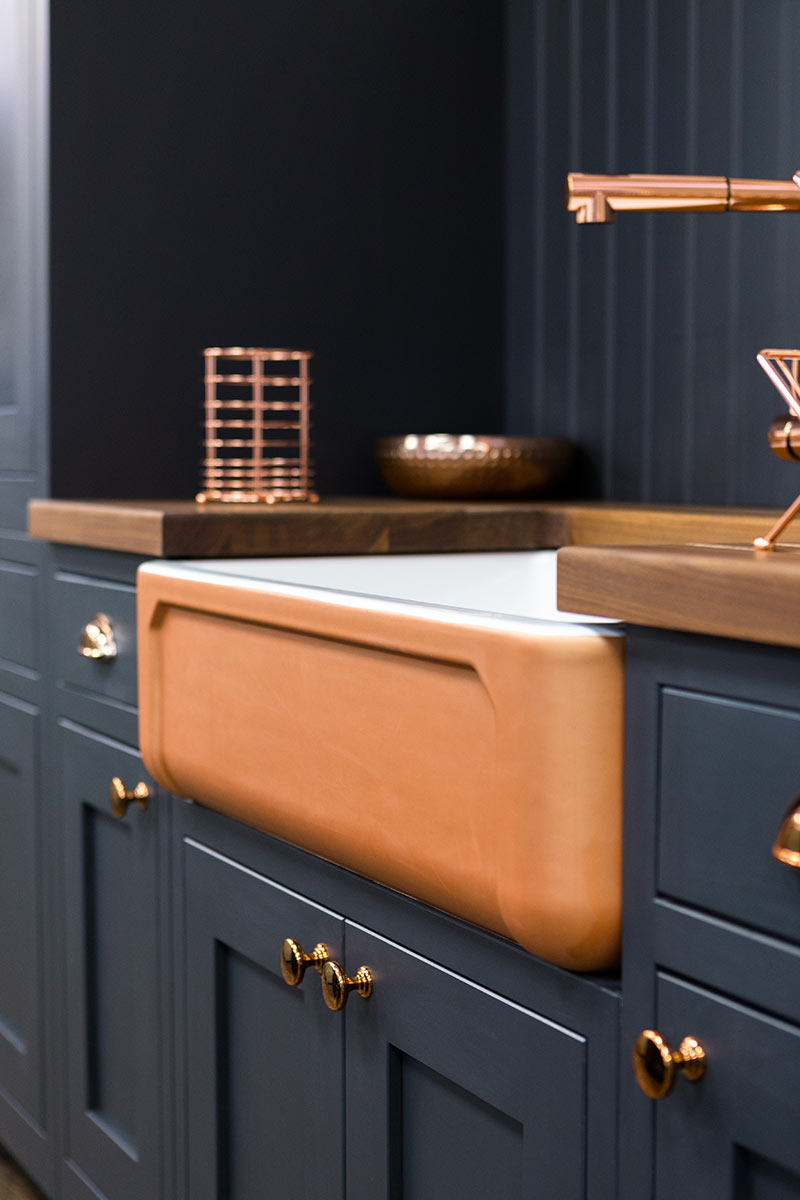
(256, 426)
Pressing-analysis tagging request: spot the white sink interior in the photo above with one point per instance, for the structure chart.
(511, 585)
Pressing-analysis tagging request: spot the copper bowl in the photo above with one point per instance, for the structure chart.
(472, 466)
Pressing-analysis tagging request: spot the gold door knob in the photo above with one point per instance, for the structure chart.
(336, 986)
(787, 844)
(119, 798)
(656, 1066)
(294, 960)
(97, 639)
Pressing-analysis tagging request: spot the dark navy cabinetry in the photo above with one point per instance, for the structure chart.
(712, 936)
(451, 1085)
(179, 1063)
(20, 1019)
(27, 1006)
(26, 1107)
(264, 1062)
(472, 1069)
(111, 932)
(115, 1060)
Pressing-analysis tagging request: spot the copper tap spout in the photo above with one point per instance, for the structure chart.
(595, 198)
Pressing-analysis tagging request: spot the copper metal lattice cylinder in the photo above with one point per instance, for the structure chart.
(256, 426)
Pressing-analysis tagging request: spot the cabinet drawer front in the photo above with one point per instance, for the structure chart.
(76, 601)
(728, 771)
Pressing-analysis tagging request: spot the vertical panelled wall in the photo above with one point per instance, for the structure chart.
(639, 339)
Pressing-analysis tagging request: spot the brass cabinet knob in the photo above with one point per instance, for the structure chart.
(97, 639)
(336, 986)
(294, 960)
(787, 844)
(119, 798)
(656, 1066)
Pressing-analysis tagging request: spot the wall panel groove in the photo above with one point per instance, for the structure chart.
(639, 340)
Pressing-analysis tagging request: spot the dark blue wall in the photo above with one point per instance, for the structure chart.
(328, 177)
(383, 183)
(639, 339)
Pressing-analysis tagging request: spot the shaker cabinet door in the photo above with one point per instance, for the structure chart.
(455, 1091)
(732, 1133)
(24, 1105)
(264, 1097)
(115, 1036)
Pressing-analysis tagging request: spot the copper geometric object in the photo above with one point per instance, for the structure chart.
(256, 426)
(783, 368)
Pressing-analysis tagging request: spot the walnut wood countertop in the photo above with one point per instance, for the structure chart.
(184, 529)
(723, 590)
(367, 525)
(669, 566)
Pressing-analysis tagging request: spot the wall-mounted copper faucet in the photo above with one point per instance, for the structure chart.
(595, 198)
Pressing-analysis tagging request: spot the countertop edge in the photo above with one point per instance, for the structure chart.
(723, 591)
(97, 525)
(376, 525)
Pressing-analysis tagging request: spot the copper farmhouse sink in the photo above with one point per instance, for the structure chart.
(431, 722)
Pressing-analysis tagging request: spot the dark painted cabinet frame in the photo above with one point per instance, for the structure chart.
(140, 942)
(712, 941)
(712, 762)
(115, 1053)
(26, 1033)
(466, 1039)
(109, 939)
(29, 1013)
(264, 1087)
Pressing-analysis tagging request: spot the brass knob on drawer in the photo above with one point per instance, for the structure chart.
(294, 960)
(787, 844)
(656, 1066)
(336, 986)
(119, 798)
(97, 639)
